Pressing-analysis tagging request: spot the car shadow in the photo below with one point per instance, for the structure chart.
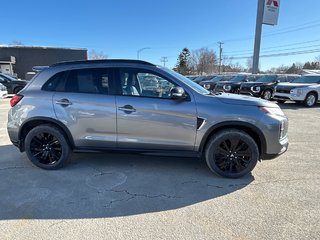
(99, 185)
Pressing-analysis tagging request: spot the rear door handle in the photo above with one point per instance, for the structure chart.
(127, 108)
(63, 102)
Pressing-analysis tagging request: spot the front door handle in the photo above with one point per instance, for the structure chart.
(127, 108)
(63, 102)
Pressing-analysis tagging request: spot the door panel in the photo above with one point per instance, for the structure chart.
(91, 118)
(155, 123)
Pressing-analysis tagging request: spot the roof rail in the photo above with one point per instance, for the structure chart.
(39, 68)
(102, 61)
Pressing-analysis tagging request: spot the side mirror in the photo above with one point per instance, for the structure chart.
(177, 93)
(277, 81)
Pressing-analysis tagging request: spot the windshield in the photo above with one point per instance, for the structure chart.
(7, 77)
(307, 79)
(238, 78)
(267, 79)
(186, 81)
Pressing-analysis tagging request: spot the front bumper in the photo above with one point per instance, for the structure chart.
(288, 96)
(284, 147)
(249, 93)
(3, 94)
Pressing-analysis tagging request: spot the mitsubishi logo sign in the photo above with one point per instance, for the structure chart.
(274, 2)
(271, 12)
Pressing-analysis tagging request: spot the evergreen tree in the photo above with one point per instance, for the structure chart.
(183, 62)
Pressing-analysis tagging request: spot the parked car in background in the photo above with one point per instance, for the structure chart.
(264, 85)
(13, 85)
(211, 83)
(233, 85)
(3, 91)
(192, 77)
(203, 78)
(305, 89)
(103, 105)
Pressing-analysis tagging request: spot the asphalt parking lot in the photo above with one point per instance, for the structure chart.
(122, 196)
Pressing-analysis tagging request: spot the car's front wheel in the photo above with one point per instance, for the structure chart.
(231, 153)
(47, 147)
(311, 100)
(267, 94)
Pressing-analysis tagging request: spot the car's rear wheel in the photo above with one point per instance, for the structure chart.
(231, 153)
(267, 94)
(311, 100)
(47, 147)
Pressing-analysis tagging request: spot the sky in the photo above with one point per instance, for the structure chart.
(119, 28)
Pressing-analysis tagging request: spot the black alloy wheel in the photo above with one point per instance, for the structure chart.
(232, 153)
(47, 147)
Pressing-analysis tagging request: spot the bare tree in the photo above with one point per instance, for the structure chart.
(16, 43)
(93, 55)
(203, 61)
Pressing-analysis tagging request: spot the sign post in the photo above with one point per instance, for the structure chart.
(267, 13)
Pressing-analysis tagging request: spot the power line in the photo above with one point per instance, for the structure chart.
(279, 32)
(282, 54)
(280, 50)
(274, 47)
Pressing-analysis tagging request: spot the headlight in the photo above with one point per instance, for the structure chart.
(255, 89)
(298, 91)
(272, 110)
(227, 88)
(207, 86)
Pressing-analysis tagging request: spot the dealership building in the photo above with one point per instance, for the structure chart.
(19, 60)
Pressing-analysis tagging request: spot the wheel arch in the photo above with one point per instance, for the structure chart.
(315, 92)
(36, 121)
(248, 128)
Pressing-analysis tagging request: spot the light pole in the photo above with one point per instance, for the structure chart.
(257, 41)
(140, 50)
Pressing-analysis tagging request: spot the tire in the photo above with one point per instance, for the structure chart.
(47, 147)
(311, 99)
(267, 94)
(281, 101)
(17, 89)
(224, 149)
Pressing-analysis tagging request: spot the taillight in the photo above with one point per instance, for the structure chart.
(15, 99)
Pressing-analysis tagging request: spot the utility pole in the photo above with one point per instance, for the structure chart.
(220, 55)
(257, 41)
(164, 60)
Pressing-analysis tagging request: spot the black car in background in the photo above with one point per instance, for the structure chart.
(203, 78)
(233, 85)
(264, 86)
(211, 83)
(13, 85)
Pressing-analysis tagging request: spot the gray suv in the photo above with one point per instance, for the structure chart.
(131, 105)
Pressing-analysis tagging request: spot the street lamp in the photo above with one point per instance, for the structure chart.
(140, 50)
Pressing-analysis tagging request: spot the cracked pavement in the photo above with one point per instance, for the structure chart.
(125, 196)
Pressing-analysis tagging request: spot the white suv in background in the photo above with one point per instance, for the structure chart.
(305, 89)
(3, 91)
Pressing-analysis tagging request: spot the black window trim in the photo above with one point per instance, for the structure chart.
(112, 91)
(144, 70)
